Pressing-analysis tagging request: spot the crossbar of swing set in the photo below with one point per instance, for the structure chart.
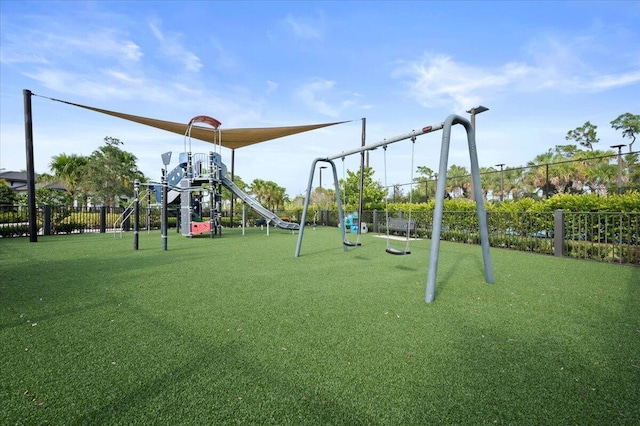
(411, 135)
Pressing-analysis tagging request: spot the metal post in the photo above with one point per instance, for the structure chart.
(244, 217)
(164, 220)
(148, 219)
(546, 184)
(212, 219)
(439, 205)
(361, 182)
(619, 166)
(558, 233)
(233, 196)
(307, 197)
(31, 174)
(136, 213)
(501, 165)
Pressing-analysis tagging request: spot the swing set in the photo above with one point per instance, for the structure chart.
(439, 196)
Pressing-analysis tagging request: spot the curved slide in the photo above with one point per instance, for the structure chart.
(259, 208)
(174, 177)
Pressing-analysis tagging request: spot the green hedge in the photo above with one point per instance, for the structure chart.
(8, 231)
(626, 203)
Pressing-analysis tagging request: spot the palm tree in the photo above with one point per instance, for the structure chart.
(490, 181)
(258, 189)
(595, 171)
(535, 176)
(458, 181)
(69, 170)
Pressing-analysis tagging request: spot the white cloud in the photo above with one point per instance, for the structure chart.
(304, 29)
(440, 81)
(173, 48)
(320, 96)
(272, 86)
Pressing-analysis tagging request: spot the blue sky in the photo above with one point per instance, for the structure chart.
(542, 67)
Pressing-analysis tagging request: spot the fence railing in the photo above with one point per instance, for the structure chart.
(603, 236)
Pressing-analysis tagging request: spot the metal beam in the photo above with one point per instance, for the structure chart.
(385, 142)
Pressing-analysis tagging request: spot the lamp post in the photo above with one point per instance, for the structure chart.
(321, 168)
(164, 213)
(619, 166)
(476, 110)
(473, 111)
(501, 165)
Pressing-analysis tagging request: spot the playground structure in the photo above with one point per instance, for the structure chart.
(186, 184)
(440, 193)
(186, 187)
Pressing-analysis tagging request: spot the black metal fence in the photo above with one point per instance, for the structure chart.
(602, 236)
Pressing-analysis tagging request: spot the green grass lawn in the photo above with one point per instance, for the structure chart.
(236, 330)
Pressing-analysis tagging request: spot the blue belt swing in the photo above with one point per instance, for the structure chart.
(346, 241)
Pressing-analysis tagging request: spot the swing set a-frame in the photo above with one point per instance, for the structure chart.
(439, 197)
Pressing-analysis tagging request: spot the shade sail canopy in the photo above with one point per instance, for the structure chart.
(230, 138)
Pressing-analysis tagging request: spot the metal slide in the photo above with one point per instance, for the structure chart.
(259, 208)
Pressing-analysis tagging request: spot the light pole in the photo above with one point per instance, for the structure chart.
(473, 111)
(321, 168)
(501, 165)
(619, 166)
(476, 110)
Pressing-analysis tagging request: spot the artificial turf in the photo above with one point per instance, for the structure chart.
(236, 330)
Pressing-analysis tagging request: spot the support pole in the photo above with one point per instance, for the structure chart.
(164, 220)
(233, 196)
(136, 213)
(212, 187)
(439, 204)
(244, 217)
(361, 183)
(31, 174)
(307, 197)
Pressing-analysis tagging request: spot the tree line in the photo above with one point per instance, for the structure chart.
(108, 175)
(576, 167)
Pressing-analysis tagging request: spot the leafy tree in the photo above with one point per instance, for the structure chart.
(258, 190)
(513, 183)
(490, 181)
(7, 196)
(586, 135)
(372, 192)
(323, 198)
(111, 172)
(593, 170)
(47, 195)
(69, 170)
(535, 177)
(268, 193)
(275, 196)
(424, 190)
(630, 126)
(458, 181)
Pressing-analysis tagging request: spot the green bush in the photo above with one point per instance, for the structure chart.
(9, 231)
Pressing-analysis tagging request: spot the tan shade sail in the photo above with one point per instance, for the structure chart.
(231, 138)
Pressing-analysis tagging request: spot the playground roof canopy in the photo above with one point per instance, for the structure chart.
(230, 138)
